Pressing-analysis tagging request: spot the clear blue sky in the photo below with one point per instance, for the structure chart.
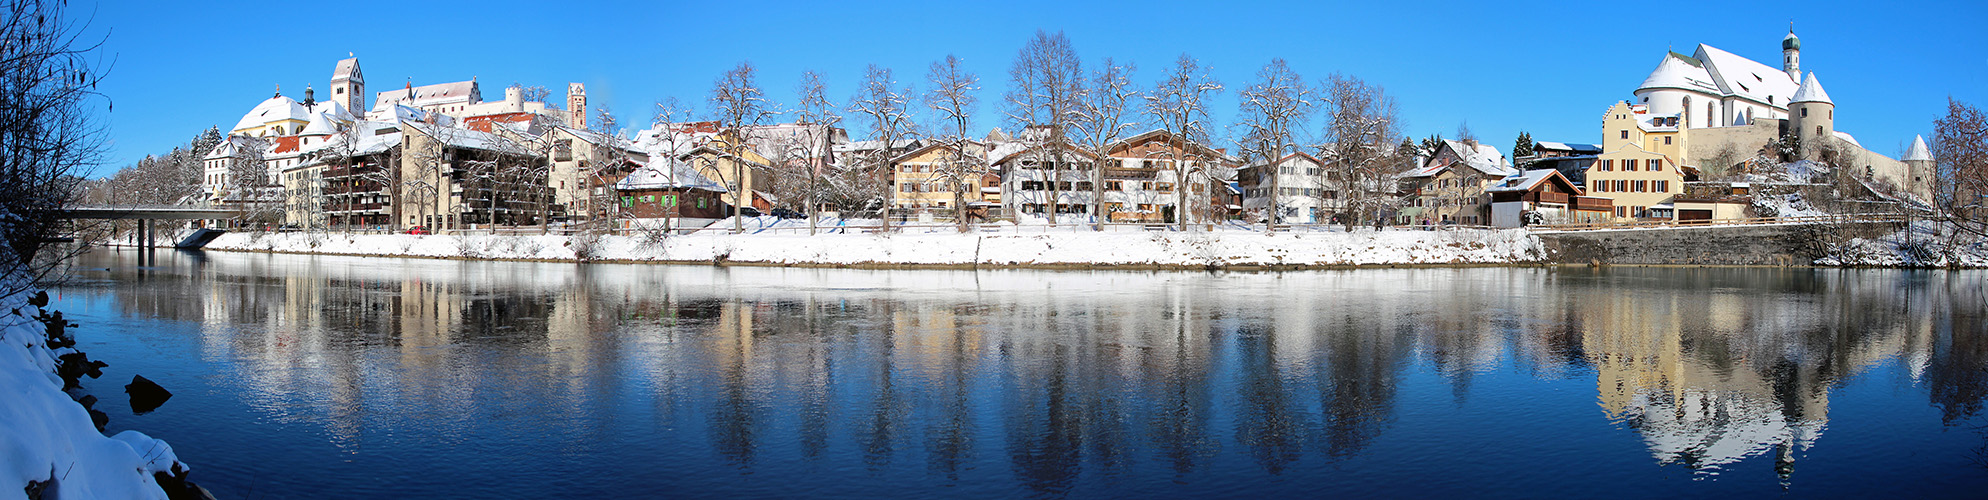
(1549, 69)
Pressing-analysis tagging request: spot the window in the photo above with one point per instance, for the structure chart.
(1114, 185)
(1608, 165)
(1663, 186)
(1629, 165)
(1656, 165)
(1084, 186)
(1642, 186)
(1818, 130)
(1805, 111)
(1666, 140)
(1625, 134)
(1166, 187)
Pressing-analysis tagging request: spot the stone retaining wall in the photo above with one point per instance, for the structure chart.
(1758, 245)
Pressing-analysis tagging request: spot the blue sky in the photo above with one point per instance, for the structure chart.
(1550, 69)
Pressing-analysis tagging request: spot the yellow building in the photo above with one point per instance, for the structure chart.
(926, 177)
(1638, 165)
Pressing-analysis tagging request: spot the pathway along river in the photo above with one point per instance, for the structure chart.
(307, 377)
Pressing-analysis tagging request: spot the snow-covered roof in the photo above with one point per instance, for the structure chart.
(428, 95)
(667, 172)
(1010, 151)
(348, 68)
(1523, 181)
(1845, 136)
(1739, 76)
(321, 124)
(1570, 147)
(1678, 71)
(1484, 157)
(1918, 152)
(274, 109)
(1810, 91)
(466, 138)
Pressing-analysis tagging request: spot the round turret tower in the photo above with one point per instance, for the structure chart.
(1812, 114)
(1919, 164)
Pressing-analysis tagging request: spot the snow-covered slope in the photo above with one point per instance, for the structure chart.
(47, 439)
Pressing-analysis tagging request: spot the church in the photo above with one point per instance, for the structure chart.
(1713, 108)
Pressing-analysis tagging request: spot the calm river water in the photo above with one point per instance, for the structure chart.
(311, 377)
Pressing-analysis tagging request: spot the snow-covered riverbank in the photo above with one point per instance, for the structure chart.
(1047, 249)
(49, 447)
(1926, 244)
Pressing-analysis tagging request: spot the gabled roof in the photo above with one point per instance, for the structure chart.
(1810, 91)
(1739, 76)
(1013, 150)
(935, 145)
(1533, 179)
(1679, 71)
(348, 68)
(440, 93)
(665, 172)
(1289, 157)
(466, 138)
(1918, 152)
(1203, 149)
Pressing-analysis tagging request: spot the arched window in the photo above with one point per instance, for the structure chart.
(1818, 130)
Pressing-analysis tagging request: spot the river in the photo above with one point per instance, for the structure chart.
(311, 376)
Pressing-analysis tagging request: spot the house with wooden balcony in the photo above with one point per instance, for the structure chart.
(1544, 196)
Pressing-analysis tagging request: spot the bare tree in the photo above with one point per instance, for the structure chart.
(952, 95)
(47, 138)
(1104, 117)
(1361, 130)
(1960, 147)
(738, 104)
(818, 119)
(1045, 88)
(428, 158)
(1273, 110)
(886, 106)
(671, 143)
(1178, 104)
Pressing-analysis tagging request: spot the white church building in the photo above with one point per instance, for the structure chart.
(1714, 103)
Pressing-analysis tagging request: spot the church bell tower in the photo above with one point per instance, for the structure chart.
(1791, 55)
(348, 86)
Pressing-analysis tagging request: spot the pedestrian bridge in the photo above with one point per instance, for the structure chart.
(145, 212)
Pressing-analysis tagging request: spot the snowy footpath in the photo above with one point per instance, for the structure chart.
(49, 445)
(1072, 248)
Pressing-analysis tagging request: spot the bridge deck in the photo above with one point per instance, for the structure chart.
(147, 212)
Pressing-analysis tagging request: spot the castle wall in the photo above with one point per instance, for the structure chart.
(1702, 144)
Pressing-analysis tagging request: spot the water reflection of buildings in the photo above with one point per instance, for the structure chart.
(1060, 375)
(1745, 368)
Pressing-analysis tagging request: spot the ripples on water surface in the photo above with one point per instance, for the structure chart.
(301, 377)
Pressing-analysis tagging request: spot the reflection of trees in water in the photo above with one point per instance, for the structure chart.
(1957, 371)
(1357, 387)
(1709, 366)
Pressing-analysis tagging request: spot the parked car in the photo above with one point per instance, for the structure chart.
(748, 212)
(785, 213)
(417, 230)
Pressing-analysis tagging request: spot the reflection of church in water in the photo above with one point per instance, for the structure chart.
(1712, 381)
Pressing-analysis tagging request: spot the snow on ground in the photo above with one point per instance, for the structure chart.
(782, 242)
(46, 435)
(1925, 244)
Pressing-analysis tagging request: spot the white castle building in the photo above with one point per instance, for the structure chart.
(1718, 102)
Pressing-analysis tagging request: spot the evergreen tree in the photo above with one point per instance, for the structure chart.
(1523, 148)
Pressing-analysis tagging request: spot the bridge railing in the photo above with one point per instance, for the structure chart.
(1811, 219)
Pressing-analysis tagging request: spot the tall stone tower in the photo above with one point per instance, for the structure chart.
(348, 86)
(576, 105)
(1791, 54)
(1919, 165)
(1812, 114)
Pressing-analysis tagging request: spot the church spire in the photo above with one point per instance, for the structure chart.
(1791, 54)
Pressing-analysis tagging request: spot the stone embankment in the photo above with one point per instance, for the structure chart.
(1738, 245)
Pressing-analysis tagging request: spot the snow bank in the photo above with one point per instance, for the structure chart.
(48, 439)
(1925, 244)
(1005, 246)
